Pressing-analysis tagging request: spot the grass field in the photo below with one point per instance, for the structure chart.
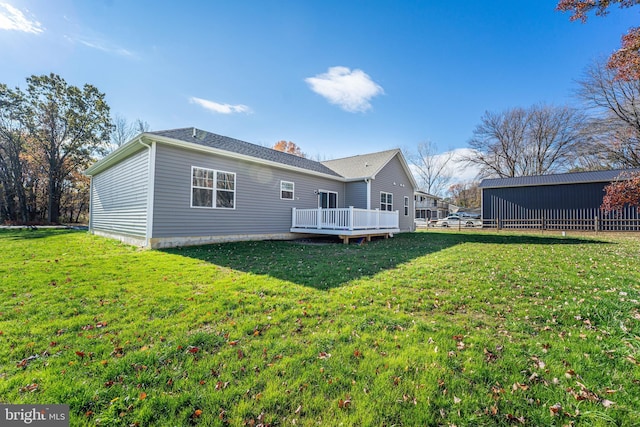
(430, 328)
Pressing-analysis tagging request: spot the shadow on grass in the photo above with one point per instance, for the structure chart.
(27, 233)
(326, 266)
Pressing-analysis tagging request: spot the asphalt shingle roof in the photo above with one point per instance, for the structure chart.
(361, 166)
(232, 145)
(556, 179)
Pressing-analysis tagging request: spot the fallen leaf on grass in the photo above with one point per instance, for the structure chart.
(517, 386)
(555, 409)
(220, 385)
(197, 413)
(456, 400)
(324, 355)
(607, 403)
(193, 350)
(143, 395)
(513, 418)
(344, 404)
(489, 356)
(29, 388)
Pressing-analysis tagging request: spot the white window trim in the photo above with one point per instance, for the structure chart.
(214, 189)
(293, 190)
(328, 192)
(386, 204)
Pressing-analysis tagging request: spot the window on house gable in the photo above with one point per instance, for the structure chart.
(286, 190)
(386, 201)
(209, 186)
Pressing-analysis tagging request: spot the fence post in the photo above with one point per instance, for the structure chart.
(596, 223)
(350, 217)
(319, 219)
(293, 218)
(377, 218)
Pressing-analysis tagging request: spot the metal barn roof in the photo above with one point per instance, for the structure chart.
(556, 179)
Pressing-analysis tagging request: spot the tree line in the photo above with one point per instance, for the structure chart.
(49, 133)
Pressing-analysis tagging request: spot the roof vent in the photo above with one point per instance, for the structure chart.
(194, 133)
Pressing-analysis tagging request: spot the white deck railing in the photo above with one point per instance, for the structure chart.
(344, 219)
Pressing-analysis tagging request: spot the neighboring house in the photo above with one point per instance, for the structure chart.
(187, 186)
(428, 206)
(562, 201)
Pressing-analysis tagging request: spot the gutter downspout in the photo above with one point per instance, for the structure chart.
(150, 189)
(368, 181)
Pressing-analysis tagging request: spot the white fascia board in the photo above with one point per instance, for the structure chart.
(230, 154)
(115, 156)
(362, 178)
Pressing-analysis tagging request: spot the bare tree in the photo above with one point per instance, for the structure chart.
(123, 131)
(431, 168)
(614, 130)
(521, 142)
(141, 126)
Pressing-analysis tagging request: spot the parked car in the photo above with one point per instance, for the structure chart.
(456, 221)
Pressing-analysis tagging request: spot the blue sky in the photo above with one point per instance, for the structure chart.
(338, 78)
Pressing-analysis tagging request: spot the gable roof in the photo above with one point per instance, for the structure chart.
(362, 165)
(212, 140)
(350, 168)
(556, 179)
(367, 166)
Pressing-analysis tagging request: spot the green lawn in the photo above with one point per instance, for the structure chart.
(430, 328)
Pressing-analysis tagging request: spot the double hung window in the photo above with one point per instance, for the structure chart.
(212, 189)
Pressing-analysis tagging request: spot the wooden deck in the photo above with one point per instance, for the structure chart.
(347, 223)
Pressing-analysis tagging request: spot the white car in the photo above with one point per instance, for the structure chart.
(456, 221)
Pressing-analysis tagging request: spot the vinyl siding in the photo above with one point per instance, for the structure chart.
(258, 207)
(356, 194)
(119, 196)
(393, 179)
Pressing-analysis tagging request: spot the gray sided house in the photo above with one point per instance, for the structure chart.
(560, 201)
(187, 187)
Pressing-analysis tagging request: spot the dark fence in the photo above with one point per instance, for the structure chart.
(565, 219)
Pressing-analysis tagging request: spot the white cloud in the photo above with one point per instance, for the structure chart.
(215, 107)
(350, 90)
(13, 19)
(102, 45)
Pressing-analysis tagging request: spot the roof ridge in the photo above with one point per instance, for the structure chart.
(362, 155)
